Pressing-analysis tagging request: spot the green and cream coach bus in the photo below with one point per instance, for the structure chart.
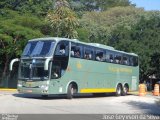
(67, 66)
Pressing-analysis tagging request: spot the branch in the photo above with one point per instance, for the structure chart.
(3, 44)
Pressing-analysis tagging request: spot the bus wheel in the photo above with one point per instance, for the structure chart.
(125, 90)
(70, 91)
(119, 90)
(44, 96)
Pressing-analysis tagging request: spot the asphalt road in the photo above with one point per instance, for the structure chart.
(14, 103)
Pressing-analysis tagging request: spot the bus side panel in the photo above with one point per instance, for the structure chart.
(95, 77)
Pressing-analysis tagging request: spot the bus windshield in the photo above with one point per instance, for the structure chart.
(33, 70)
(38, 49)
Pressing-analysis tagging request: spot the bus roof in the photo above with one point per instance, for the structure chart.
(90, 44)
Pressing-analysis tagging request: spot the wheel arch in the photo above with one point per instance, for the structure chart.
(73, 83)
(126, 84)
(119, 84)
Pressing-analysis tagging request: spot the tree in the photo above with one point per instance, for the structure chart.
(100, 25)
(63, 20)
(128, 29)
(36, 7)
(14, 34)
(97, 5)
(143, 39)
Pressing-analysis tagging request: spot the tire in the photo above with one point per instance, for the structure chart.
(70, 91)
(119, 90)
(44, 96)
(125, 90)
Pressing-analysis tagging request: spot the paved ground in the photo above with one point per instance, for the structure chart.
(14, 103)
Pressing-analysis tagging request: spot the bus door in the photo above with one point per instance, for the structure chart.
(60, 59)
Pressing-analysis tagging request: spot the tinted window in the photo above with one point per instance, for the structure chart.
(135, 61)
(88, 53)
(118, 58)
(125, 60)
(38, 48)
(111, 57)
(76, 50)
(100, 55)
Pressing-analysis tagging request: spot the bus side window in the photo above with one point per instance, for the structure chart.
(107, 58)
(111, 58)
(88, 53)
(72, 52)
(125, 60)
(76, 50)
(131, 61)
(62, 49)
(135, 61)
(116, 59)
(100, 55)
(73, 49)
(120, 59)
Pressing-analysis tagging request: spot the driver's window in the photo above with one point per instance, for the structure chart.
(62, 49)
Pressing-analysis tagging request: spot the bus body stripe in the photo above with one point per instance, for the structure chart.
(92, 90)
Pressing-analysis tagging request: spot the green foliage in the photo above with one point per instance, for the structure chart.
(15, 30)
(143, 39)
(97, 5)
(82, 6)
(128, 29)
(101, 24)
(112, 22)
(83, 34)
(12, 35)
(36, 7)
(63, 20)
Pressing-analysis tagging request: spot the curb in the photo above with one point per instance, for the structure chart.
(7, 89)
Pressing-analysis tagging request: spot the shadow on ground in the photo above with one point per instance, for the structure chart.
(148, 108)
(55, 97)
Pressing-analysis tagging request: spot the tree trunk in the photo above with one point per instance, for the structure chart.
(5, 67)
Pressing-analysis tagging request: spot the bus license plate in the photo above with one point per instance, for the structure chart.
(29, 91)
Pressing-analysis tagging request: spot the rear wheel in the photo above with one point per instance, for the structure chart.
(119, 90)
(125, 90)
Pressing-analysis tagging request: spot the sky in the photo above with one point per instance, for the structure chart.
(147, 4)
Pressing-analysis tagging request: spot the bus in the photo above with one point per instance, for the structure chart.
(55, 65)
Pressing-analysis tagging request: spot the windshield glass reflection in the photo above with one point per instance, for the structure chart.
(38, 49)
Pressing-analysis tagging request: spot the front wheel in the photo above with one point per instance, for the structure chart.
(70, 91)
(44, 96)
(119, 90)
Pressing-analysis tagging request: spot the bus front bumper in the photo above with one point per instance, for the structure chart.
(32, 90)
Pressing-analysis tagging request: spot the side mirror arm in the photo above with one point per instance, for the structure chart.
(12, 62)
(47, 63)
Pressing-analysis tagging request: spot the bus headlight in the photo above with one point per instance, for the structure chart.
(45, 87)
(19, 85)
